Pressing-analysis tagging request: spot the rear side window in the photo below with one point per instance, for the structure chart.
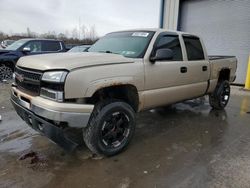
(51, 46)
(171, 42)
(194, 48)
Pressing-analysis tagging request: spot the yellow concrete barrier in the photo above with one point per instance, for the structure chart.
(247, 83)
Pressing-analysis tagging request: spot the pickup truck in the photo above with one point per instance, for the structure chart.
(23, 47)
(99, 92)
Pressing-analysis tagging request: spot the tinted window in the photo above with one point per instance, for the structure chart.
(51, 46)
(170, 42)
(34, 46)
(194, 48)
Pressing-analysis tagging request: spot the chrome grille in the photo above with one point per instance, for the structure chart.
(28, 80)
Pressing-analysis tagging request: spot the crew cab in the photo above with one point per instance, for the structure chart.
(24, 47)
(100, 92)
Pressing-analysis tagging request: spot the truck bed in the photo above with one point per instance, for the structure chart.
(219, 63)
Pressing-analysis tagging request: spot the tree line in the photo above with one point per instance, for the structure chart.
(81, 35)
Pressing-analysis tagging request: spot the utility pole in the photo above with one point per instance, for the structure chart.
(162, 7)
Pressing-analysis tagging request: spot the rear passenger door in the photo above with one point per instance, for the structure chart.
(198, 69)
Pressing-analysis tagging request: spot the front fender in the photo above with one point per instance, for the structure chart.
(84, 82)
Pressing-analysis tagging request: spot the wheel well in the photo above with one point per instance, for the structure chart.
(127, 93)
(224, 75)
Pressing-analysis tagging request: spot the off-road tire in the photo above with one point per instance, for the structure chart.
(220, 97)
(92, 134)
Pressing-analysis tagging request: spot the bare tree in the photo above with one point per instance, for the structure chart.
(28, 32)
(87, 35)
(92, 33)
(83, 31)
(61, 36)
(74, 33)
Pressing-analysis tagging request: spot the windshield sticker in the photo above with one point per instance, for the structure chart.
(140, 34)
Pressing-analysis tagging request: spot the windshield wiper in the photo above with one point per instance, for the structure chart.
(108, 52)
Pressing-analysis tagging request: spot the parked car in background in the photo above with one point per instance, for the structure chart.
(124, 72)
(82, 48)
(25, 47)
(6, 43)
(69, 46)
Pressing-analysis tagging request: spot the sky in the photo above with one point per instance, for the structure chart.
(65, 15)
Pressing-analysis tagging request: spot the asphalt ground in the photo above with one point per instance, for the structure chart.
(183, 145)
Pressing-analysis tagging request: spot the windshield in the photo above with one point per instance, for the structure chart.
(129, 44)
(16, 45)
(9, 42)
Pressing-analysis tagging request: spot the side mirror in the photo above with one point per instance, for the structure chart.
(163, 54)
(26, 49)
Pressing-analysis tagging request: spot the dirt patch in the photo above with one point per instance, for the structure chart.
(35, 160)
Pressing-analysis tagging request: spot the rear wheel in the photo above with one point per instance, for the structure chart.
(6, 73)
(220, 97)
(110, 129)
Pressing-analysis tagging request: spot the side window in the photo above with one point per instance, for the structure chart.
(51, 46)
(194, 48)
(34, 46)
(171, 42)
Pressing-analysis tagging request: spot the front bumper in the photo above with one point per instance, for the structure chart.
(47, 129)
(44, 115)
(75, 115)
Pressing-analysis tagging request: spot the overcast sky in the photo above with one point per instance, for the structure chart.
(61, 15)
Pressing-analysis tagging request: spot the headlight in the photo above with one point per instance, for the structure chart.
(54, 76)
(52, 85)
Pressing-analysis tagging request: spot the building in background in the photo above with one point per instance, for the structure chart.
(223, 25)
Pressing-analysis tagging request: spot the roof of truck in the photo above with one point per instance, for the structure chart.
(155, 30)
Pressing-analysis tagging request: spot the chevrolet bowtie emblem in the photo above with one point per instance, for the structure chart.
(20, 77)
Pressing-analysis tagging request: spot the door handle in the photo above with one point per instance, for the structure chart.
(183, 69)
(204, 68)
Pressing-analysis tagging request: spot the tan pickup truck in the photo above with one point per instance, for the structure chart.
(100, 91)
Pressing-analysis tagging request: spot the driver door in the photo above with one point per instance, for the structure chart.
(165, 80)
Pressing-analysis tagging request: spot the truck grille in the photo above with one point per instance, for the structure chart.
(28, 80)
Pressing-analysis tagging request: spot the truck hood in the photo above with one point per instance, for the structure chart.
(70, 61)
(4, 51)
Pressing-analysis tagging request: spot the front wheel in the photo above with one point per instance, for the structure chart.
(110, 128)
(220, 97)
(6, 73)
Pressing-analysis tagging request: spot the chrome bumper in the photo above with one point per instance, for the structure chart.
(73, 119)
